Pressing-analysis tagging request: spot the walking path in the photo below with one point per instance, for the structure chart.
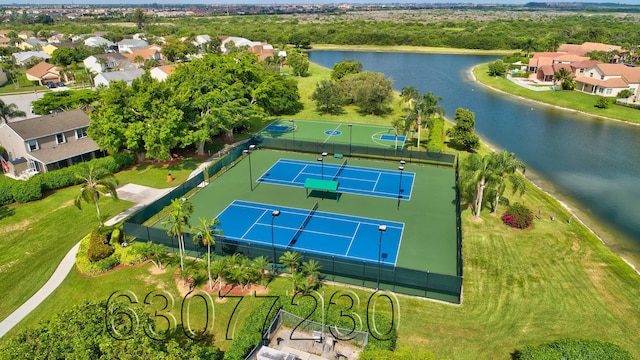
(141, 195)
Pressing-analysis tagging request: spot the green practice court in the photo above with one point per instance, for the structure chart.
(428, 241)
(335, 133)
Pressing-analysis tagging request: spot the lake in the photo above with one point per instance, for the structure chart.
(589, 163)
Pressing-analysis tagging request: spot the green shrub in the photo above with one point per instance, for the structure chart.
(99, 247)
(123, 160)
(251, 333)
(93, 267)
(58, 179)
(435, 141)
(116, 237)
(518, 216)
(6, 196)
(25, 191)
(602, 103)
(574, 350)
(132, 254)
(624, 94)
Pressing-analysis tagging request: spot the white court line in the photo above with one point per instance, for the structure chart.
(254, 223)
(329, 136)
(351, 167)
(376, 184)
(299, 173)
(352, 238)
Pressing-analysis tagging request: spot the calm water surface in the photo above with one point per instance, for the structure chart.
(593, 163)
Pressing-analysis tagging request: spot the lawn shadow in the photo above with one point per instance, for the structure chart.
(6, 212)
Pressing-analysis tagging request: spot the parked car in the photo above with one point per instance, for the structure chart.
(60, 84)
(51, 85)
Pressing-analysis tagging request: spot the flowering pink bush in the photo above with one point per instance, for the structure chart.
(518, 216)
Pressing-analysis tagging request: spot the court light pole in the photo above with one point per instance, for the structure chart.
(401, 168)
(381, 228)
(248, 153)
(350, 128)
(320, 160)
(293, 126)
(274, 214)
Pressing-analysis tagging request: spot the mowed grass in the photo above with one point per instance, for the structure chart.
(574, 100)
(34, 237)
(155, 174)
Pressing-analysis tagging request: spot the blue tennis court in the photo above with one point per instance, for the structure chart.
(277, 128)
(353, 179)
(319, 232)
(392, 137)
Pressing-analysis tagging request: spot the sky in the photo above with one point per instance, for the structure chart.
(281, 2)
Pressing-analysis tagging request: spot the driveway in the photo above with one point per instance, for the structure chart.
(23, 102)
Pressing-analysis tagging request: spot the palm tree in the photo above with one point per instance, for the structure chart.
(218, 267)
(262, 265)
(291, 259)
(156, 252)
(312, 269)
(563, 76)
(476, 174)
(505, 165)
(528, 46)
(427, 104)
(9, 111)
(180, 212)
(95, 181)
(206, 233)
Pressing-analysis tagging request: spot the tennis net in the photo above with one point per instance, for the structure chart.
(304, 224)
(344, 164)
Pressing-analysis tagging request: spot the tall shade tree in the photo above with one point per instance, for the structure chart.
(299, 62)
(291, 259)
(180, 211)
(328, 97)
(476, 174)
(95, 181)
(505, 165)
(9, 111)
(206, 233)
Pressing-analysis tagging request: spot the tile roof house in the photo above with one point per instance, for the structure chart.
(22, 57)
(44, 72)
(48, 142)
(262, 49)
(100, 63)
(609, 79)
(146, 53)
(104, 79)
(587, 47)
(5, 41)
(161, 73)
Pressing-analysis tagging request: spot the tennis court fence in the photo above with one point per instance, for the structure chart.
(305, 145)
(338, 269)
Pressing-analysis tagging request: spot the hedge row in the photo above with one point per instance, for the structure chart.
(435, 141)
(127, 255)
(32, 189)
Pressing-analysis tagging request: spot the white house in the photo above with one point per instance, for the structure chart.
(100, 63)
(22, 57)
(609, 80)
(129, 45)
(161, 73)
(97, 41)
(201, 40)
(128, 76)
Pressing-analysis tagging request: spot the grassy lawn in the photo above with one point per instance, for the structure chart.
(306, 87)
(567, 99)
(155, 174)
(34, 238)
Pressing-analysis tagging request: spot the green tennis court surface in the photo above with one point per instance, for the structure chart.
(335, 133)
(429, 241)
